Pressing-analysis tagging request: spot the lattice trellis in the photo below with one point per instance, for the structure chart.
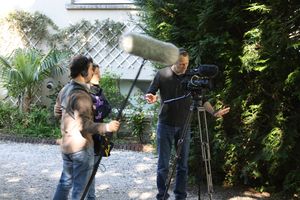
(102, 48)
(17, 101)
(101, 45)
(11, 39)
(106, 52)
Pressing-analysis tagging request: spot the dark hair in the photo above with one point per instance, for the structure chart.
(95, 66)
(183, 52)
(80, 65)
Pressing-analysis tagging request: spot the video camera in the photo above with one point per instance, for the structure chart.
(198, 78)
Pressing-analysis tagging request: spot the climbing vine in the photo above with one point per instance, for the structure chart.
(37, 27)
(34, 26)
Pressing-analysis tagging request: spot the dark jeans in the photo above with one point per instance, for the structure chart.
(77, 168)
(166, 137)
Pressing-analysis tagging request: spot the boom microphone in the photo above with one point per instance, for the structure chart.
(149, 48)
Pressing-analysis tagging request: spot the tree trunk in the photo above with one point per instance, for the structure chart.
(26, 103)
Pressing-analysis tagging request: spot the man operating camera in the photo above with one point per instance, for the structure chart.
(172, 116)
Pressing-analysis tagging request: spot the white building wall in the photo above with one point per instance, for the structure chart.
(62, 14)
(63, 17)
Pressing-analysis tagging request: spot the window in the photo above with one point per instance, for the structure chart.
(100, 1)
(101, 5)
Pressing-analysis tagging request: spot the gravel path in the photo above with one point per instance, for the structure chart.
(31, 172)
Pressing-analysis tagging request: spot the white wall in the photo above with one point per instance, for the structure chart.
(56, 10)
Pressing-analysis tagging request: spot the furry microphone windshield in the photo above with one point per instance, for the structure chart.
(149, 48)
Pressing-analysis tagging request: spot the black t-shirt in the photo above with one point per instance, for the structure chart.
(170, 86)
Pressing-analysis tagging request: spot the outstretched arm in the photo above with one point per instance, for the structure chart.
(216, 113)
(151, 96)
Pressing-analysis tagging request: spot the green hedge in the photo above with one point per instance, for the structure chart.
(36, 123)
(256, 46)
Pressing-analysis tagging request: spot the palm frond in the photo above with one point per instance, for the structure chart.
(53, 63)
(22, 73)
(4, 63)
(4, 66)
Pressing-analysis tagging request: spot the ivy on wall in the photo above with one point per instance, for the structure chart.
(35, 26)
(38, 27)
(108, 30)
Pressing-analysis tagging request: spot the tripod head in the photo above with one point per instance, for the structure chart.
(197, 97)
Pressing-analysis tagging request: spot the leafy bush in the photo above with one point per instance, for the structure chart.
(139, 119)
(9, 116)
(110, 85)
(35, 123)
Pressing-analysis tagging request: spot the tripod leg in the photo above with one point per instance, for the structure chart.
(205, 149)
(179, 147)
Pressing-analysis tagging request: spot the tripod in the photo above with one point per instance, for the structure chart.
(196, 106)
